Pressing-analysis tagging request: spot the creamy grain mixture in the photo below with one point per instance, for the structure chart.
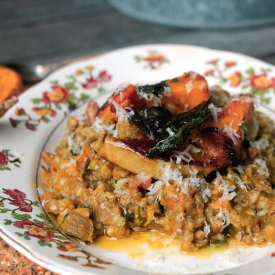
(218, 184)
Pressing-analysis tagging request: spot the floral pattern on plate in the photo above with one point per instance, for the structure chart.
(22, 221)
(153, 60)
(259, 81)
(7, 159)
(67, 96)
(40, 227)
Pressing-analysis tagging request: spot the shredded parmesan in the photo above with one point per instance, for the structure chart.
(235, 178)
(143, 177)
(232, 133)
(99, 126)
(120, 88)
(206, 229)
(227, 191)
(169, 174)
(260, 144)
(74, 146)
(169, 131)
(154, 188)
(240, 168)
(167, 91)
(214, 111)
(206, 193)
(151, 97)
(121, 113)
(189, 86)
(224, 216)
(189, 182)
(185, 155)
(260, 164)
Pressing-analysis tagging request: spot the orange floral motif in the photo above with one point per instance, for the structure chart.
(69, 95)
(35, 230)
(154, 59)
(44, 111)
(58, 95)
(261, 82)
(40, 227)
(230, 63)
(235, 79)
(67, 246)
(258, 84)
(69, 258)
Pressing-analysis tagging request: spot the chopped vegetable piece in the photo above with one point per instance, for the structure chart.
(78, 226)
(187, 91)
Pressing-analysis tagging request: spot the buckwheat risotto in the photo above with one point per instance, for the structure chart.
(176, 157)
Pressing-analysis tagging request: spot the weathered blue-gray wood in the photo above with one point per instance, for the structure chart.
(45, 31)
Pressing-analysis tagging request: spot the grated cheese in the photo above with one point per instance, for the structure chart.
(240, 168)
(143, 177)
(206, 229)
(189, 86)
(120, 88)
(154, 188)
(206, 193)
(185, 155)
(202, 85)
(224, 216)
(167, 91)
(121, 113)
(260, 144)
(260, 164)
(170, 175)
(235, 178)
(232, 133)
(214, 111)
(189, 182)
(72, 144)
(99, 126)
(227, 191)
(193, 74)
(169, 131)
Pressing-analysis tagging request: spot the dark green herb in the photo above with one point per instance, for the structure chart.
(156, 89)
(129, 217)
(151, 120)
(73, 153)
(139, 214)
(51, 213)
(217, 242)
(174, 80)
(178, 129)
(243, 126)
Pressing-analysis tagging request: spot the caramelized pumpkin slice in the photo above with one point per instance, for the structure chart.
(124, 155)
(187, 91)
(231, 118)
(126, 98)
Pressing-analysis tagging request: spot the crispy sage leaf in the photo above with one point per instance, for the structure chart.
(156, 89)
(151, 120)
(178, 129)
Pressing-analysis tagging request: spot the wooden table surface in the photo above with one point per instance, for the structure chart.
(41, 32)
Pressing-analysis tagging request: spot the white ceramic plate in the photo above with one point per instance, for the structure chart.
(37, 122)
